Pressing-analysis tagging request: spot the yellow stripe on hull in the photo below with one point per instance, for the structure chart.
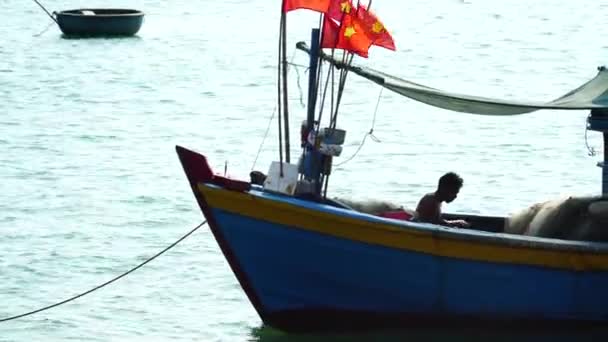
(399, 237)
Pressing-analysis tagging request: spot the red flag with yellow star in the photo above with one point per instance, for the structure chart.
(314, 5)
(375, 29)
(338, 8)
(350, 35)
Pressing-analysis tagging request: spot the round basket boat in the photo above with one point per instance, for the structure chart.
(99, 21)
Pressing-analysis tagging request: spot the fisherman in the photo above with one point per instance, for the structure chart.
(429, 207)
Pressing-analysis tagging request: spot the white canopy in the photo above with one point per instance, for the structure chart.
(591, 95)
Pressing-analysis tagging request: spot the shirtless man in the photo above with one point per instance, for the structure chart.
(429, 207)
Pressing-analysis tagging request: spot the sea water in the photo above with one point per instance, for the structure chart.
(91, 185)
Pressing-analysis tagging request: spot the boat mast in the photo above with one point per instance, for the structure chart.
(312, 78)
(311, 158)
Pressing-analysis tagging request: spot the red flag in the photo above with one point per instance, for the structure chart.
(329, 37)
(375, 29)
(350, 35)
(339, 7)
(314, 5)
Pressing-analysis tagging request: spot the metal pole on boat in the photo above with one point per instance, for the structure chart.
(312, 156)
(285, 93)
(310, 167)
(312, 78)
(279, 97)
(604, 166)
(598, 121)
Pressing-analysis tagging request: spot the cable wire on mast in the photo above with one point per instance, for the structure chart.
(341, 85)
(344, 73)
(274, 110)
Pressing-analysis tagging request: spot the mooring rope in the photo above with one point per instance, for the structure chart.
(107, 282)
(45, 30)
(46, 11)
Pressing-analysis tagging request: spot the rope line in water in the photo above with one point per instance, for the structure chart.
(45, 30)
(107, 282)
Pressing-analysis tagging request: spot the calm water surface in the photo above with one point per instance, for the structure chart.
(91, 184)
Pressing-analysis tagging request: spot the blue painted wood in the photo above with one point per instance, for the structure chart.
(293, 269)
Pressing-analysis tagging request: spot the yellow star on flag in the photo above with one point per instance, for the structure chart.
(377, 27)
(345, 7)
(349, 31)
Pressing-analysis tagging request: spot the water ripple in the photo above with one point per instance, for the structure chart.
(92, 185)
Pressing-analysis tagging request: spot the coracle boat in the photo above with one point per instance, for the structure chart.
(99, 21)
(309, 263)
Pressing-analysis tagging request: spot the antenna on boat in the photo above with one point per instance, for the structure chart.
(47, 12)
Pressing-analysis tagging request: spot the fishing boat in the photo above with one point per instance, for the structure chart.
(310, 263)
(99, 21)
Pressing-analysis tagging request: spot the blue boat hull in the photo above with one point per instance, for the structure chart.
(105, 22)
(308, 267)
(307, 280)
